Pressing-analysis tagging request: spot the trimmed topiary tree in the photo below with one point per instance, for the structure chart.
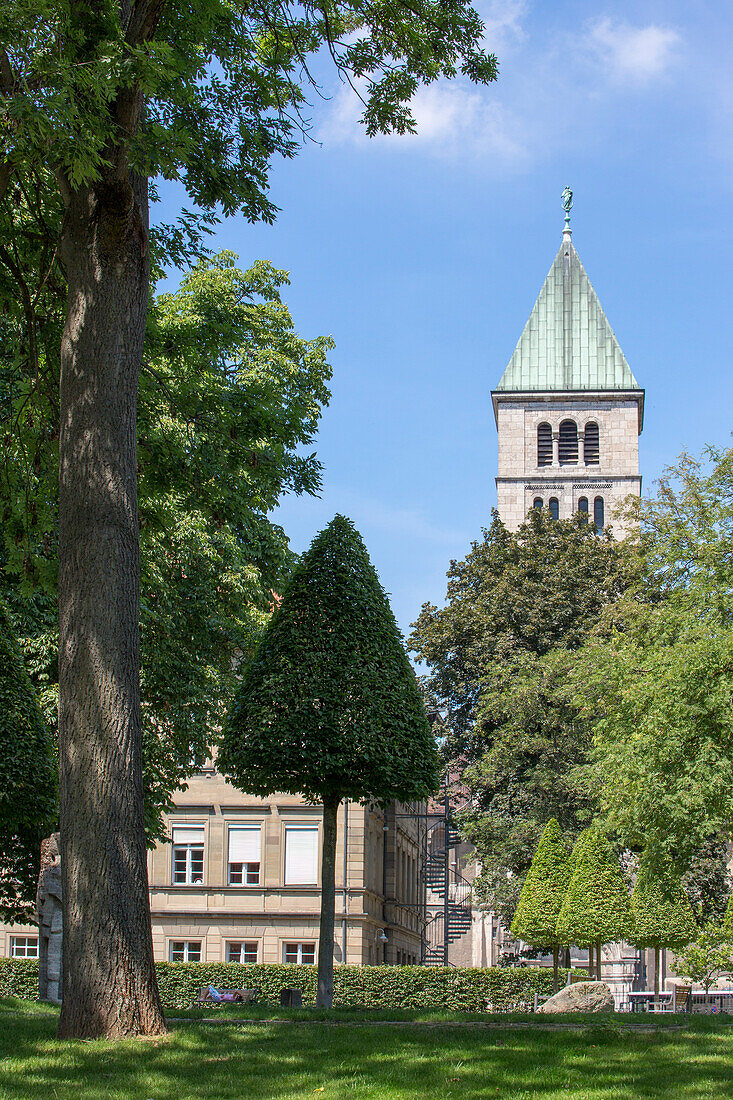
(329, 706)
(535, 918)
(28, 780)
(661, 915)
(595, 909)
(728, 919)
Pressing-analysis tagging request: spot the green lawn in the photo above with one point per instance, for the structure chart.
(368, 1061)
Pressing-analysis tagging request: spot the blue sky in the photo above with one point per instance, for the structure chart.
(423, 256)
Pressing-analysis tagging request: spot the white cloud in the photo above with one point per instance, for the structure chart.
(503, 22)
(633, 54)
(452, 119)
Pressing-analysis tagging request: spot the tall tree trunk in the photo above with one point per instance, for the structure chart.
(109, 982)
(656, 978)
(599, 960)
(590, 962)
(555, 983)
(324, 996)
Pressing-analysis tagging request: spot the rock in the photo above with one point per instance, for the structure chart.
(580, 997)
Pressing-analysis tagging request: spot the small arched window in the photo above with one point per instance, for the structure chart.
(583, 507)
(554, 508)
(544, 445)
(591, 445)
(568, 445)
(537, 502)
(598, 514)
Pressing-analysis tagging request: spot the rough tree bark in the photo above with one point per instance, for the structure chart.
(555, 954)
(109, 983)
(324, 995)
(590, 962)
(599, 959)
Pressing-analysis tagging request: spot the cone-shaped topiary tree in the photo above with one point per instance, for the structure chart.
(28, 780)
(727, 925)
(660, 910)
(535, 918)
(329, 707)
(595, 909)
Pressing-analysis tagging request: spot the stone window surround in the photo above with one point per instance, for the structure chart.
(187, 945)
(244, 943)
(287, 941)
(23, 947)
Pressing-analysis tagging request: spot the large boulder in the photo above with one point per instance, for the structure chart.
(580, 997)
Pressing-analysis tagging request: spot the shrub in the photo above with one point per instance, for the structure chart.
(460, 989)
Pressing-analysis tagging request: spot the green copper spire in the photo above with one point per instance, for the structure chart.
(567, 343)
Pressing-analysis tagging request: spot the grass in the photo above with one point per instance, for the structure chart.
(605, 1060)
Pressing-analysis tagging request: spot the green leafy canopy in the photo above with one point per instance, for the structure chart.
(329, 705)
(596, 905)
(27, 779)
(660, 911)
(543, 892)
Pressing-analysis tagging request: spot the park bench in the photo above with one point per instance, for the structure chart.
(228, 996)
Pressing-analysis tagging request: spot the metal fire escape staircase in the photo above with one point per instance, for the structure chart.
(448, 908)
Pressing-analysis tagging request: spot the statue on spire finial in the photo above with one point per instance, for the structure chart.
(567, 205)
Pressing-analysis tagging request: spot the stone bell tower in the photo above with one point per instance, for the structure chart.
(568, 409)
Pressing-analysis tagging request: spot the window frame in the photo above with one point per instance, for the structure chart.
(599, 526)
(243, 945)
(538, 503)
(553, 508)
(560, 443)
(24, 954)
(188, 847)
(249, 877)
(306, 826)
(544, 429)
(593, 424)
(299, 945)
(186, 952)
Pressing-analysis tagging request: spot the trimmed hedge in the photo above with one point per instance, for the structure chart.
(19, 978)
(442, 987)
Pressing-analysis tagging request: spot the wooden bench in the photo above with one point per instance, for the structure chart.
(229, 996)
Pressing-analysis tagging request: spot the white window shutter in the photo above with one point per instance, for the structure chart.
(188, 836)
(301, 856)
(244, 844)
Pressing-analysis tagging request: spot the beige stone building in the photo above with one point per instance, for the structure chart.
(568, 409)
(240, 880)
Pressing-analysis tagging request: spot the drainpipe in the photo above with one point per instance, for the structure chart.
(346, 879)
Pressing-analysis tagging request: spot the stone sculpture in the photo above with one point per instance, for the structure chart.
(50, 926)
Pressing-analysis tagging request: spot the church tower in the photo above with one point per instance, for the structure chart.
(568, 409)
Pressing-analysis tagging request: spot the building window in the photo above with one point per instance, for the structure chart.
(591, 445)
(185, 951)
(238, 952)
(583, 506)
(554, 508)
(537, 502)
(304, 953)
(598, 514)
(568, 443)
(244, 855)
(301, 855)
(24, 947)
(188, 856)
(544, 445)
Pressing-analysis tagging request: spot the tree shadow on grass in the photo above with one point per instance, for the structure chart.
(295, 1061)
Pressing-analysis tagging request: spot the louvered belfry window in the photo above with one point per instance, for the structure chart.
(568, 444)
(591, 447)
(544, 445)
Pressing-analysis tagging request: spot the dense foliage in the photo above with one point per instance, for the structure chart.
(595, 908)
(457, 988)
(707, 958)
(329, 704)
(657, 681)
(27, 780)
(660, 909)
(535, 919)
(518, 607)
(229, 395)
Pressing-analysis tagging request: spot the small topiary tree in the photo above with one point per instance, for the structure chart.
(661, 915)
(595, 909)
(728, 919)
(28, 780)
(535, 918)
(329, 707)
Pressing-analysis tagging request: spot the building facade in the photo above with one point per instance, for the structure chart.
(568, 409)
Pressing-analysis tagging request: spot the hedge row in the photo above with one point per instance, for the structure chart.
(441, 987)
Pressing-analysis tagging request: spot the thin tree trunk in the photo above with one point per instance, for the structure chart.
(555, 982)
(590, 962)
(656, 978)
(324, 996)
(599, 960)
(109, 982)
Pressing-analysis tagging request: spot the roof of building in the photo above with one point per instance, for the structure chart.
(567, 343)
